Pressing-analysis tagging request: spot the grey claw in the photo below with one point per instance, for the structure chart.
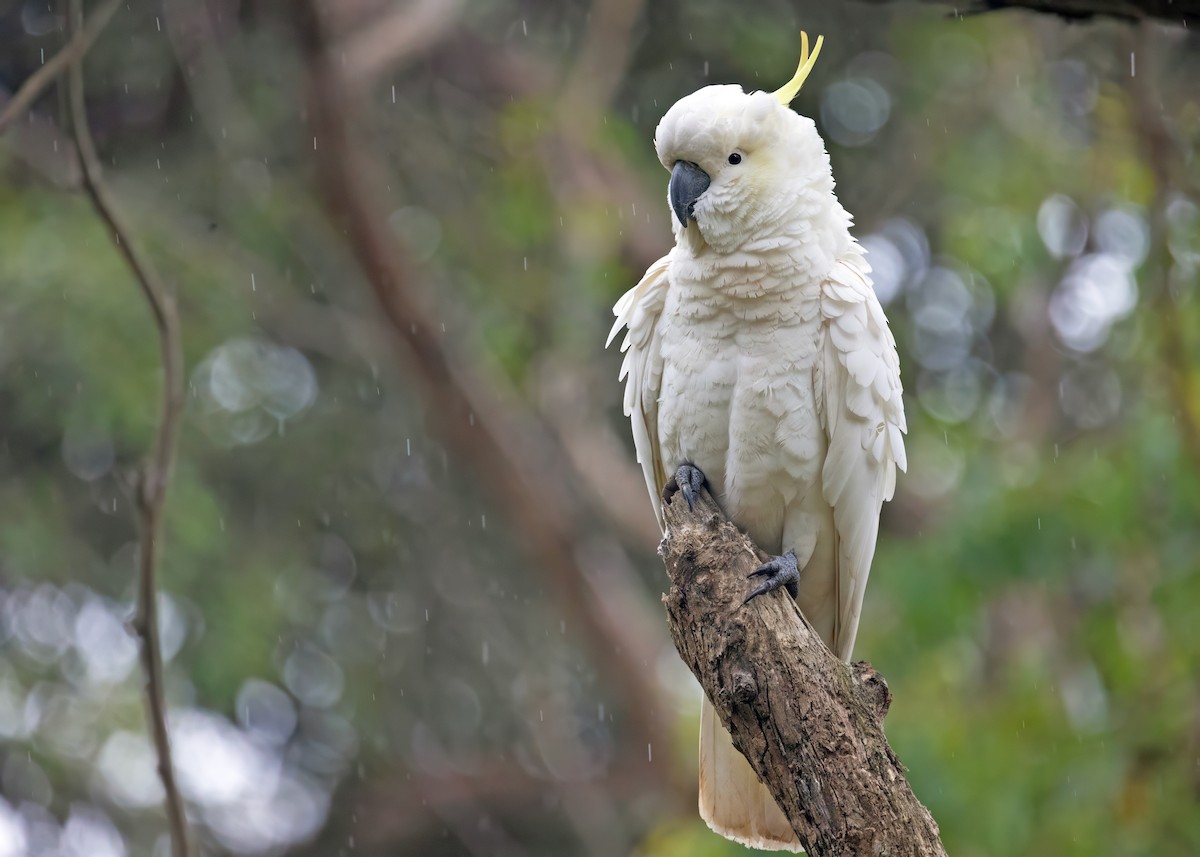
(778, 571)
(689, 480)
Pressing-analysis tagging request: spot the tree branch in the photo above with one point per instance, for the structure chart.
(810, 725)
(73, 50)
(1164, 155)
(504, 448)
(396, 35)
(596, 74)
(1184, 12)
(155, 473)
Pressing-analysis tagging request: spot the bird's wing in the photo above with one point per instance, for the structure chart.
(639, 310)
(861, 405)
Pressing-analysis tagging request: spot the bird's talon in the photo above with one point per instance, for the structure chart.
(688, 480)
(778, 571)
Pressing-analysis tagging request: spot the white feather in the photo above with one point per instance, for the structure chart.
(638, 311)
(863, 399)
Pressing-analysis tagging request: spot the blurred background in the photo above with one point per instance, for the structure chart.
(365, 653)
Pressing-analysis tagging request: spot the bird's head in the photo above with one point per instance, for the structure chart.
(740, 161)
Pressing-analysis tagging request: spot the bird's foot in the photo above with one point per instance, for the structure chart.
(778, 571)
(687, 479)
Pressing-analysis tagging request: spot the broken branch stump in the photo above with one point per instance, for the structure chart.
(810, 725)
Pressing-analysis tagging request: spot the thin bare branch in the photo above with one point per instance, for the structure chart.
(155, 474)
(73, 50)
(503, 446)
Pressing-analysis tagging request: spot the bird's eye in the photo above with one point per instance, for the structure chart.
(735, 158)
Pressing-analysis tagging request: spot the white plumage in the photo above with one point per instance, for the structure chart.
(757, 351)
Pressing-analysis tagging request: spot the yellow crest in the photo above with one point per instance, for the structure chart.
(788, 91)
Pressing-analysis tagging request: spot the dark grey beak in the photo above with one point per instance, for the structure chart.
(688, 182)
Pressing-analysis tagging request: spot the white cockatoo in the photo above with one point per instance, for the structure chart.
(758, 358)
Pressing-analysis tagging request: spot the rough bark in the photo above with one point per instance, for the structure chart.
(811, 726)
(1184, 12)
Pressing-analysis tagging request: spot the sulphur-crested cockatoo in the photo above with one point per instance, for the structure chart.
(758, 358)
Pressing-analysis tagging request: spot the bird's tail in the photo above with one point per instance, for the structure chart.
(733, 802)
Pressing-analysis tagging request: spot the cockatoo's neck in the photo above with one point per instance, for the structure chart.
(803, 222)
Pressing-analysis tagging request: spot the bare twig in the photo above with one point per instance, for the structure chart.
(499, 444)
(74, 49)
(155, 474)
(810, 725)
